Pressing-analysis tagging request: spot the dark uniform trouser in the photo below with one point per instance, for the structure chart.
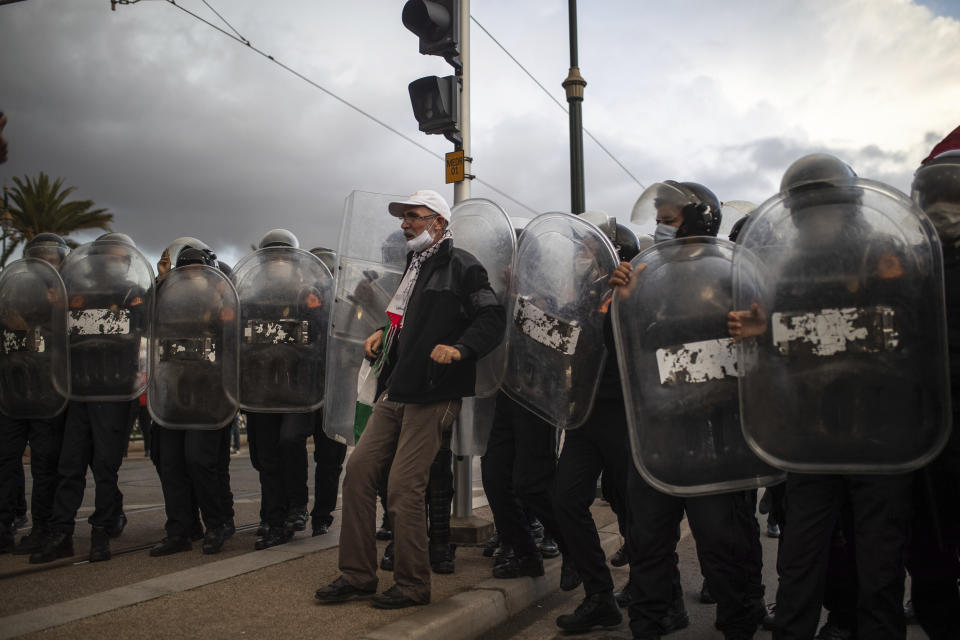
(191, 469)
(276, 437)
(45, 438)
(328, 454)
(600, 445)
(881, 518)
(721, 526)
(95, 435)
(439, 494)
(518, 472)
(932, 553)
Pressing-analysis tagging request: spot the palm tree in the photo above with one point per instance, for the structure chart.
(40, 206)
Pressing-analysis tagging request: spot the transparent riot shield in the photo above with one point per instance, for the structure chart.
(679, 370)
(371, 259)
(285, 299)
(110, 300)
(482, 228)
(194, 378)
(34, 370)
(556, 352)
(849, 372)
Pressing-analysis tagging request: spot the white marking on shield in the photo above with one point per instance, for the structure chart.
(549, 331)
(826, 332)
(100, 322)
(697, 362)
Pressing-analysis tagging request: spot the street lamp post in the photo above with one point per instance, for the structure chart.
(6, 221)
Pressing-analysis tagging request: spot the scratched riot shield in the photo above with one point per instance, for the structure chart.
(679, 369)
(371, 259)
(109, 287)
(285, 299)
(556, 352)
(34, 370)
(849, 373)
(194, 378)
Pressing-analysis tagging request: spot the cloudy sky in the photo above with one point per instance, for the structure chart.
(178, 130)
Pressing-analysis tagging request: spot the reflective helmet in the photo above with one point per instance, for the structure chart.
(178, 245)
(701, 217)
(279, 238)
(327, 256)
(936, 190)
(47, 246)
(815, 169)
(738, 228)
(190, 255)
(115, 236)
(225, 268)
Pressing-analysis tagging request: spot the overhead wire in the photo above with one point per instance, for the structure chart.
(242, 40)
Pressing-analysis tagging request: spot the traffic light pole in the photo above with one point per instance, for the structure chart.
(463, 465)
(574, 85)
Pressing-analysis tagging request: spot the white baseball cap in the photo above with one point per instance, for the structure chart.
(423, 198)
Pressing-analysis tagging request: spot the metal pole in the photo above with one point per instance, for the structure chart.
(574, 85)
(463, 466)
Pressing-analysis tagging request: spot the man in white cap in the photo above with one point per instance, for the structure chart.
(443, 317)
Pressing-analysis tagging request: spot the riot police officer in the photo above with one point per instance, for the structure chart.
(44, 435)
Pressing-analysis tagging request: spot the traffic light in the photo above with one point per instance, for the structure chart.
(437, 24)
(436, 105)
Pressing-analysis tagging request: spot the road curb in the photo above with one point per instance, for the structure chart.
(472, 613)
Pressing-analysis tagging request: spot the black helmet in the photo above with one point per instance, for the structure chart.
(702, 216)
(279, 238)
(936, 190)
(738, 228)
(327, 256)
(225, 268)
(626, 242)
(190, 255)
(815, 169)
(115, 236)
(47, 246)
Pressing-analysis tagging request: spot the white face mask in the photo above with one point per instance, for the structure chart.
(420, 242)
(945, 216)
(664, 232)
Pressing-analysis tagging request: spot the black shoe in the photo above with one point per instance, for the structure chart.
(393, 598)
(385, 532)
(262, 529)
(619, 559)
(675, 619)
(32, 541)
(773, 530)
(597, 610)
(537, 531)
(530, 565)
(502, 553)
(341, 591)
(19, 521)
(55, 545)
(442, 558)
(171, 545)
(705, 596)
(296, 521)
(117, 527)
(548, 548)
(214, 539)
(275, 536)
(229, 529)
(386, 562)
(769, 622)
(832, 631)
(491, 546)
(569, 577)
(320, 529)
(196, 534)
(624, 597)
(99, 544)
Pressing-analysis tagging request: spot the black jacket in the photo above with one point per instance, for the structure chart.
(452, 304)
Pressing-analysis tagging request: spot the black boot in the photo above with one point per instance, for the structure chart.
(530, 565)
(569, 576)
(275, 536)
(171, 545)
(386, 562)
(491, 545)
(625, 596)
(597, 610)
(214, 539)
(549, 547)
(55, 545)
(99, 544)
(117, 527)
(619, 559)
(33, 540)
(296, 521)
(442, 557)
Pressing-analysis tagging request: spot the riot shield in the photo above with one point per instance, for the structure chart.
(556, 352)
(193, 356)
(371, 258)
(482, 228)
(285, 299)
(34, 369)
(110, 300)
(679, 370)
(850, 372)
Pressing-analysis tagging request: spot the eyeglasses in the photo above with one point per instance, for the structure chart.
(409, 216)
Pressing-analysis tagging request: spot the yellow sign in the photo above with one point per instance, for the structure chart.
(455, 166)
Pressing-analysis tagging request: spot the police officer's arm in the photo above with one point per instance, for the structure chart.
(488, 321)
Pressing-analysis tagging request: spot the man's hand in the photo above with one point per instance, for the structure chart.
(372, 345)
(444, 354)
(621, 276)
(747, 324)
